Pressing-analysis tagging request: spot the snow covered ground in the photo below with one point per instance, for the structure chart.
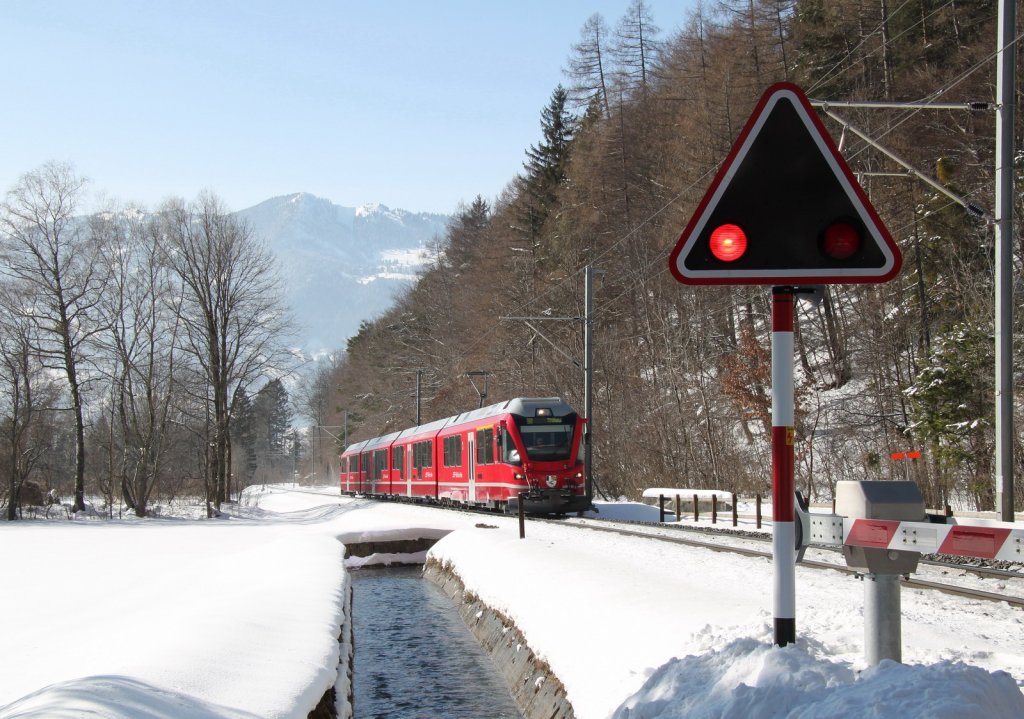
(239, 617)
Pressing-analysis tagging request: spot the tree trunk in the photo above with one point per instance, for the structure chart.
(76, 400)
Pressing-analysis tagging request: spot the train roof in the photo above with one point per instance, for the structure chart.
(381, 441)
(372, 443)
(523, 406)
(428, 428)
(355, 447)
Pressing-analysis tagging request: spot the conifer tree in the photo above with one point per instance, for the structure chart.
(636, 48)
(243, 427)
(590, 66)
(273, 417)
(548, 160)
(466, 232)
(952, 410)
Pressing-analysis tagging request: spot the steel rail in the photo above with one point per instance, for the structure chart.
(980, 571)
(906, 581)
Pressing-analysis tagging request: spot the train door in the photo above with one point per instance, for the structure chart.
(408, 469)
(471, 464)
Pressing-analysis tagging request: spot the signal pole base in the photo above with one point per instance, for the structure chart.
(785, 632)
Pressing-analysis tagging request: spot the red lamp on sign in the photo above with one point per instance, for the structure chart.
(728, 242)
(841, 240)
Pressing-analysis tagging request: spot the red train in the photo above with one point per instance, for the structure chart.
(527, 447)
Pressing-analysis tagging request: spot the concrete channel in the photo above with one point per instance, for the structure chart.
(537, 692)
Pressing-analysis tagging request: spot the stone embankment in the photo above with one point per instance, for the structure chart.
(329, 706)
(537, 691)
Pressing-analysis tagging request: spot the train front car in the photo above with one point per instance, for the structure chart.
(541, 443)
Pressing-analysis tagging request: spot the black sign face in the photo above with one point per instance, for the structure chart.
(784, 209)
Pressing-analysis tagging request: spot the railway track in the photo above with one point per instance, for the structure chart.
(727, 540)
(736, 546)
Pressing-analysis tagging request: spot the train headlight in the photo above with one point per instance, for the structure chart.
(518, 476)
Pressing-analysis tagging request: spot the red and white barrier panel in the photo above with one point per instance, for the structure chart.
(980, 538)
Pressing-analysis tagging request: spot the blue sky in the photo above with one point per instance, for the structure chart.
(417, 104)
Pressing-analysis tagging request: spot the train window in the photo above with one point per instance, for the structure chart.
(547, 442)
(509, 453)
(453, 451)
(485, 446)
(398, 459)
(380, 462)
(421, 454)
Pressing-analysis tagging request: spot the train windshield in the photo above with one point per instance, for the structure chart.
(547, 439)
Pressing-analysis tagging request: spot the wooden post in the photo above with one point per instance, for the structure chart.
(758, 502)
(735, 512)
(661, 509)
(679, 506)
(714, 509)
(522, 518)
(696, 509)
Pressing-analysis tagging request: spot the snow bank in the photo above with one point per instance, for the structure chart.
(190, 619)
(239, 618)
(751, 679)
(613, 615)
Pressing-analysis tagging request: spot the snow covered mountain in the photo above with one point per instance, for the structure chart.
(341, 265)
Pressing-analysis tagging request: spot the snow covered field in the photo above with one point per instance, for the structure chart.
(239, 617)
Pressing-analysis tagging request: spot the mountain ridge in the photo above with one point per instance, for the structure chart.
(342, 265)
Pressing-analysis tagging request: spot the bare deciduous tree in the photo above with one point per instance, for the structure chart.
(26, 394)
(233, 317)
(50, 250)
(143, 305)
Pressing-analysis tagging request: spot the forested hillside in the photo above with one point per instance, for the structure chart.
(682, 375)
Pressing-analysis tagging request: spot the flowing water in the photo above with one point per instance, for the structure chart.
(414, 658)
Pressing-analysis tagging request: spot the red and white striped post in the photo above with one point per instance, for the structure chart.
(783, 438)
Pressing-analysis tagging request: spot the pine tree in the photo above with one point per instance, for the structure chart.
(272, 419)
(952, 409)
(466, 232)
(274, 414)
(243, 427)
(549, 159)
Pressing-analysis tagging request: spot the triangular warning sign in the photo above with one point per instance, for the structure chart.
(786, 209)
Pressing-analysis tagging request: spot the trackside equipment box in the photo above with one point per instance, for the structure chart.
(883, 500)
